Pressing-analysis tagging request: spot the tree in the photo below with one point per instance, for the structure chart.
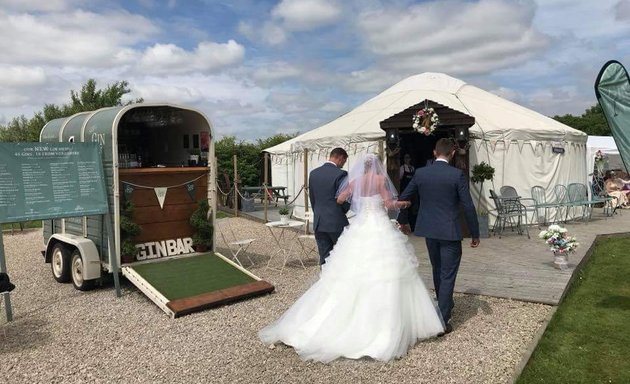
(88, 99)
(591, 122)
(250, 158)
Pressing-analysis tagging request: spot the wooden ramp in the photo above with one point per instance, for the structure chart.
(183, 285)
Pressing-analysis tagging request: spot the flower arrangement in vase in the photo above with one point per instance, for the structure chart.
(560, 243)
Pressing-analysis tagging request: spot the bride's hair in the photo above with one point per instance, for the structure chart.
(367, 177)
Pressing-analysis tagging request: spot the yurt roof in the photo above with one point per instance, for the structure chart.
(495, 117)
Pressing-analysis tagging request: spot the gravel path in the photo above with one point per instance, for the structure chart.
(63, 335)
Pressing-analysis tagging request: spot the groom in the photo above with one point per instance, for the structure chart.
(329, 217)
(441, 190)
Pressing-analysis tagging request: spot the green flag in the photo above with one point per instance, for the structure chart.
(612, 89)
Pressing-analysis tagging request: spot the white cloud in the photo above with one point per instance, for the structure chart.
(269, 32)
(456, 37)
(305, 15)
(12, 99)
(622, 10)
(196, 88)
(370, 80)
(18, 76)
(558, 101)
(207, 56)
(334, 106)
(77, 37)
(291, 16)
(39, 5)
(275, 72)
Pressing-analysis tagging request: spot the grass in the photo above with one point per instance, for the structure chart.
(223, 215)
(588, 339)
(190, 276)
(26, 225)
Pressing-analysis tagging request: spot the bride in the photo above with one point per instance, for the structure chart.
(369, 300)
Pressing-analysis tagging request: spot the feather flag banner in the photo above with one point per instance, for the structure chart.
(612, 88)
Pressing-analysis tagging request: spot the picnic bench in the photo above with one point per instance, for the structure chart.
(273, 193)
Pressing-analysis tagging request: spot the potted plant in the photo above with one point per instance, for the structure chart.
(128, 230)
(284, 215)
(204, 230)
(480, 173)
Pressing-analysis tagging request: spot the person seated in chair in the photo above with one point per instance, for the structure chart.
(615, 187)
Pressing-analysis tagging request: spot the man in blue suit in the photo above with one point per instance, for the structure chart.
(329, 217)
(441, 190)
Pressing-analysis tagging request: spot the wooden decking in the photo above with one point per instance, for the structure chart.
(513, 266)
(517, 268)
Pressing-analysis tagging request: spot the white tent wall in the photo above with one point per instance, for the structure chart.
(525, 164)
(287, 169)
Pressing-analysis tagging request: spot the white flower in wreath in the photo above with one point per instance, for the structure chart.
(425, 121)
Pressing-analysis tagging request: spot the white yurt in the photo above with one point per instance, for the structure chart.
(526, 148)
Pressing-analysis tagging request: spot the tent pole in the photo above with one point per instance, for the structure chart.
(381, 150)
(265, 183)
(306, 187)
(235, 186)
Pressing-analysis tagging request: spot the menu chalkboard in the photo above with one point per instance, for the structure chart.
(50, 180)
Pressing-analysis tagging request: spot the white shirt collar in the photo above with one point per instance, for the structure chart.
(444, 160)
(328, 161)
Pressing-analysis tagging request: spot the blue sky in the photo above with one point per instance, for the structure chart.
(258, 68)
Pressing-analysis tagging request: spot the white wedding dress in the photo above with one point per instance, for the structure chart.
(369, 300)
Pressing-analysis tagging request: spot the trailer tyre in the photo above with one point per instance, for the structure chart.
(60, 263)
(76, 268)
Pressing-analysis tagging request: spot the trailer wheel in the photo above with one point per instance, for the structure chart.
(76, 268)
(60, 263)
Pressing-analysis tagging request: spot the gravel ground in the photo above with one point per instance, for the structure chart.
(63, 335)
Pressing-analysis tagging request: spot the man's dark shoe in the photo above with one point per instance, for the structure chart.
(447, 329)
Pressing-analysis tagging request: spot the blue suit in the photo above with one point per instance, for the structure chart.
(442, 190)
(329, 217)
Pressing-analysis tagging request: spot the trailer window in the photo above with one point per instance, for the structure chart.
(186, 142)
(195, 141)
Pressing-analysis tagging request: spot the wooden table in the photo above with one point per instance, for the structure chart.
(276, 193)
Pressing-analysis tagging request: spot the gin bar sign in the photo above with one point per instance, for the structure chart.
(157, 249)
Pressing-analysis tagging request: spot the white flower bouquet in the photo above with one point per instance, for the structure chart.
(560, 243)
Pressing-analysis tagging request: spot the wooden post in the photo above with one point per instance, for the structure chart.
(266, 183)
(306, 186)
(235, 186)
(381, 150)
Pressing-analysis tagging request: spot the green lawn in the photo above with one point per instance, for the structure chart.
(223, 215)
(28, 224)
(588, 339)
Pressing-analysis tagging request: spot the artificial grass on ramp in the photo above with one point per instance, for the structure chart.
(588, 339)
(191, 276)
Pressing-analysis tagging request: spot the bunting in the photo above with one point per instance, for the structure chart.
(520, 144)
(127, 191)
(191, 189)
(160, 193)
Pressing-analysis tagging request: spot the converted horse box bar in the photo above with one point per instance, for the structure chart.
(155, 156)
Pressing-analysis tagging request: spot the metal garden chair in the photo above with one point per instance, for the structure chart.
(540, 203)
(599, 194)
(509, 192)
(235, 245)
(306, 241)
(509, 210)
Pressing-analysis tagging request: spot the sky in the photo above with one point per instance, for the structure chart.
(257, 68)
